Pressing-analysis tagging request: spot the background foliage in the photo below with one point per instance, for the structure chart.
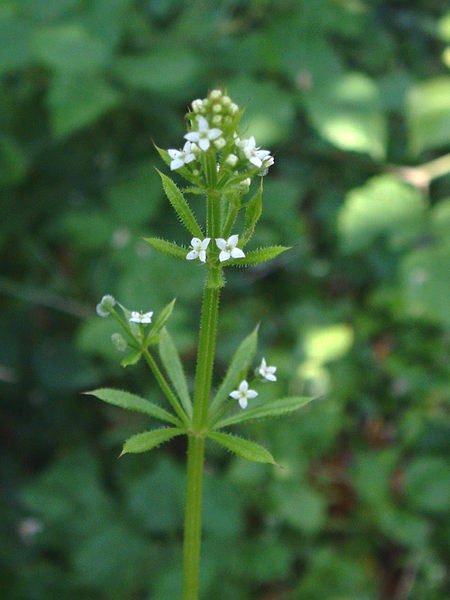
(353, 97)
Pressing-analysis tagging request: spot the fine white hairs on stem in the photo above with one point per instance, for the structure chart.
(243, 394)
(228, 248)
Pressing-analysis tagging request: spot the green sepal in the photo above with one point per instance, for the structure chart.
(242, 447)
(181, 207)
(253, 210)
(134, 403)
(215, 279)
(131, 359)
(165, 247)
(257, 256)
(271, 409)
(143, 442)
(239, 364)
(174, 368)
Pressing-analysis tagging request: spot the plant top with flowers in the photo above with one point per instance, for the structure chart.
(219, 166)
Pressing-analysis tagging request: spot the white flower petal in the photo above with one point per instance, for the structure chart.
(270, 377)
(214, 133)
(176, 164)
(189, 158)
(237, 253)
(243, 402)
(202, 124)
(196, 242)
(235, 395)
(233, 240)
(243, 386)
(221, 243)
(192, 255)
(173, 153)
(224, 255)
(192, 136)
(251, 394)
(256, 161)
(205, 243)
(204, 143)
(202, 256)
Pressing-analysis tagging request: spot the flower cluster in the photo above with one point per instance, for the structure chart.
(228, 248)
(213, 128)
(243, 394)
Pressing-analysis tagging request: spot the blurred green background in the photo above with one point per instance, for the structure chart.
(353, 98)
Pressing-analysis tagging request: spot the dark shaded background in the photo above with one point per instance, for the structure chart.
(353, 98)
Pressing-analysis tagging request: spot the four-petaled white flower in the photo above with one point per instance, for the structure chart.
(228, 248)
(140, 317)
(204, 135)
(267, 372)
(198, 249)
(257, 156)
(182, 157)
(243, 394)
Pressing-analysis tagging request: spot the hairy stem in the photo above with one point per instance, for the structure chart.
(193, 518)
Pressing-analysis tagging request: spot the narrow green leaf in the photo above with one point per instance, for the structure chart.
(163, 317)
(243, 448)
(165, 247)
(142, 442)
(257, 256)
(239, 364)
(171, 360)
(180, 206)
(131, 359)
(134, 403)
(253, 212)
(271, 409)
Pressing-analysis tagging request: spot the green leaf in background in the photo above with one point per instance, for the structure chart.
(348, 113)
(427, 484)
(269, 113)
(300, 506)
(425, 283)
(253, 210)
(76, 101)
(143, 442)
(169, 248)
(134, 403)
(15, 50)
(383, 206)
(274, 408)
(180, 206)
(166, 70)
(243, 448)
(239, 365)
(172, 363)
(254, 257)
(13, 161)
(328, 343)
(428, 114)
(69, 48)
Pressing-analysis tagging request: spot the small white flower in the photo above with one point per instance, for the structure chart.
(198, 249)
(259, 158)
(197, 105)
(267, 372)
(232, 160)
(105, 305)
(228, 248)
(243, 394)
(204, 135)
(182, 157)
(140, 317)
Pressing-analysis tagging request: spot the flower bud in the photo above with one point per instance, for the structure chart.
(217, 120)
(217, 108)
(231, 160)
(234, 108)
(215, 94)
(197, 105)
(119, 342)
(220, 143)
(105, 306)
(226, 100)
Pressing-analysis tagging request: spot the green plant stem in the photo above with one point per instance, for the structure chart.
(165, 386)
(193, 518)
(196, 444)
